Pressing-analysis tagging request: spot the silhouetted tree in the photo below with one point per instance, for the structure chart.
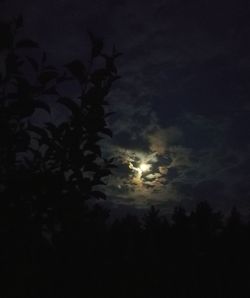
(56, 167)
(48, 172)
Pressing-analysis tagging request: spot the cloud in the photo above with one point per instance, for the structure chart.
(160, 139)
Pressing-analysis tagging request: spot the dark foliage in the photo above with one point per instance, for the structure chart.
(50, 170)
(52, 244)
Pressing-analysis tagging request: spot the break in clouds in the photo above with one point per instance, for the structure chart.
(150, 158)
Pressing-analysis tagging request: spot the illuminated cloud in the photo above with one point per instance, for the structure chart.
(160, 139)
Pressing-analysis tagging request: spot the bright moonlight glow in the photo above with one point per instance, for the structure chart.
(144, 167)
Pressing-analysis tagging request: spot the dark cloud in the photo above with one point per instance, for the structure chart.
(208, 190)
(172, 173)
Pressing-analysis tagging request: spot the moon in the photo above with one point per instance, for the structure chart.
(144, 167)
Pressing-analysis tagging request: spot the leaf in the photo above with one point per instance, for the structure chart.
(98, 181)
(47, 76)
(112, 166)
(23, 108)
(110, 65)
(64, 78)
(110, 163)
(98, 195)
(51, 127)
(77, 69)
(109, 114)
(90, 166)
(107, 132)
(63, 127)
(51, 91)
(105, 103)
(27, 43)
(44, 58)
(96, 150)
(50, 67)
(11, 64)
(41, 105)
(19, 22)
(33, 63)
(36, 154)
(22, 141)
(28, 163)
(115, 52)
(114, 78)
(97, 45)
(6, 39)
(12, 95)
(104, 172)
(69, 103)
(99, 75)
(38, 130)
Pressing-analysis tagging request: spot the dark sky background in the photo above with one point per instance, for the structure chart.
(182, 105)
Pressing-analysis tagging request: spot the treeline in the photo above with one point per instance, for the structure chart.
(195, 255)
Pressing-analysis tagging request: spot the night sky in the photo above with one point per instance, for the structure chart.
(181, 125)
